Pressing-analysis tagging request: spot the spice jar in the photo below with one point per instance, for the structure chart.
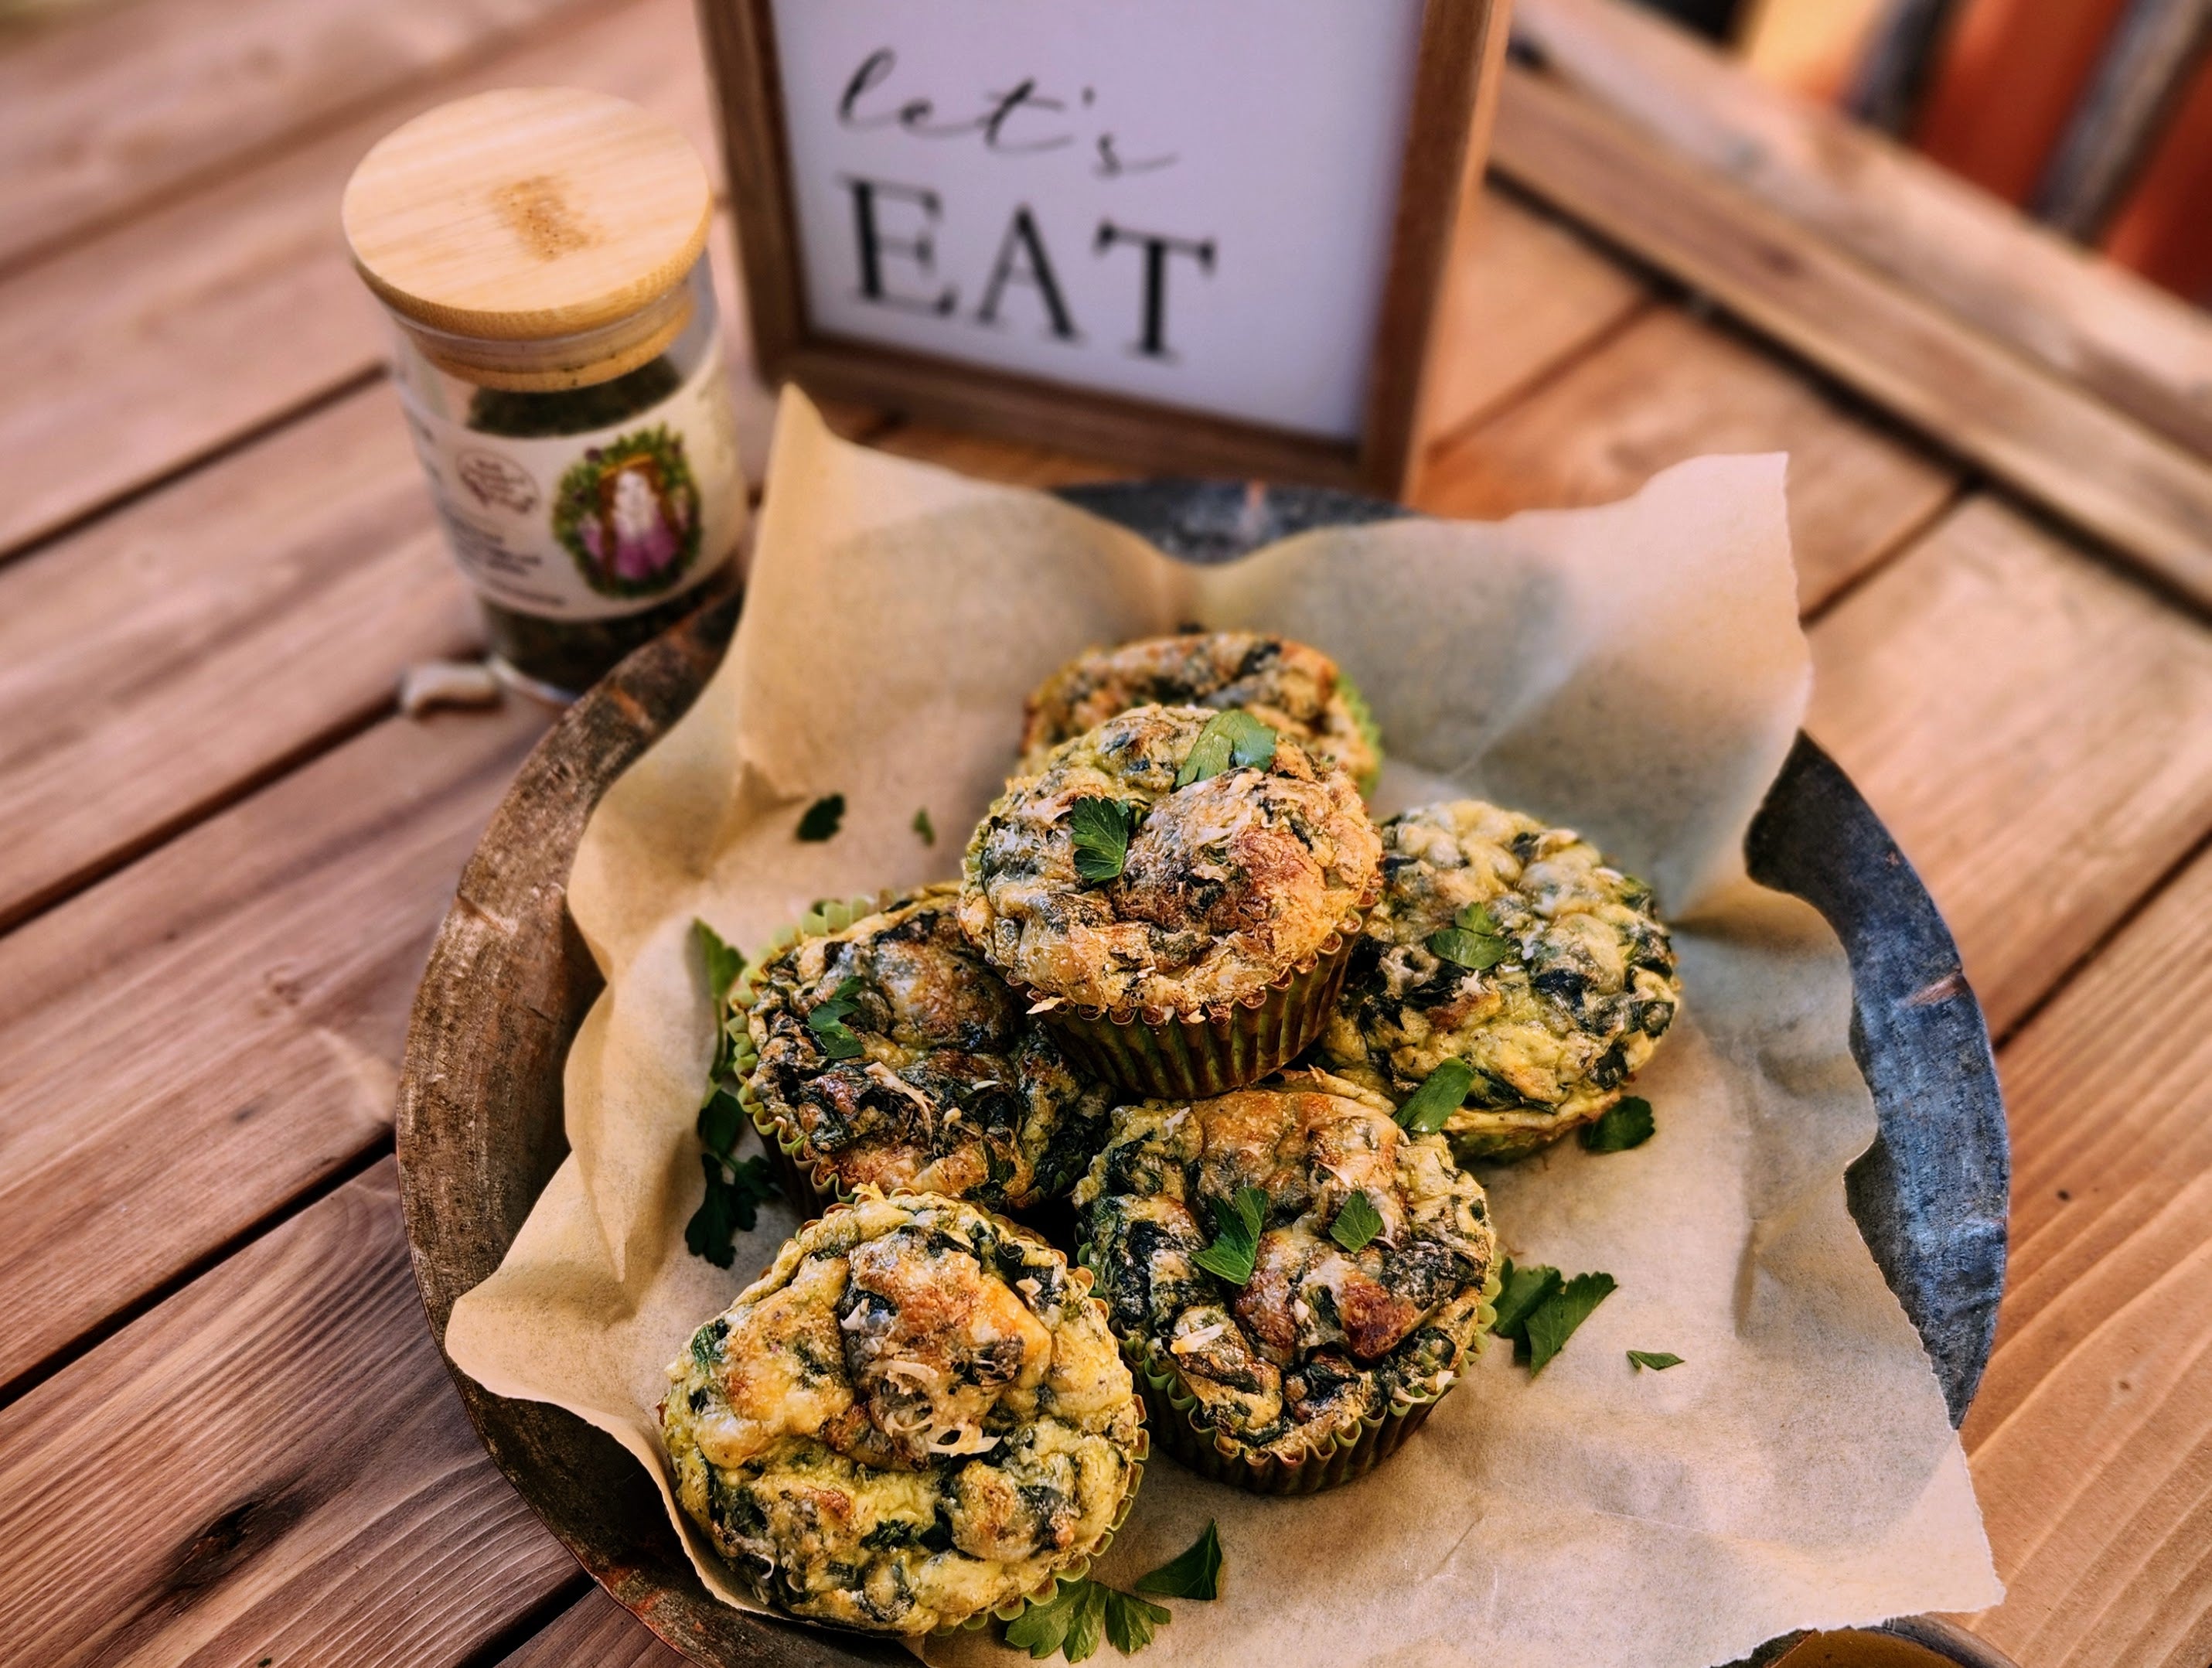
(542, 254)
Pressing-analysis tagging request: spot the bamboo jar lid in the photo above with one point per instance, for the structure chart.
(536, 215)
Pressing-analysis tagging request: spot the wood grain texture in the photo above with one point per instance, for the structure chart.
(191, 1044)
(2124, 340)
(138, 351)
(2115, 479)
(595, 1633)
(2092, 1441)
(131, 102)
(1667, 388)
(2035, 730)
(271, 1465)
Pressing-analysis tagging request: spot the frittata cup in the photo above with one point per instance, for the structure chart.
(1160, 1055)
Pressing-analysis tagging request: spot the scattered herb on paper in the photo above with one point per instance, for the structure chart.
(1626, 1123)
(1236, 1241)
(822, 817)
(1657, 1359)
(1193, 1573)
(1439, 1096)
(1075, 1619)
(735, 1193)
(826, 1019)
(1130, 1620)
(1558, 1315)
(724, 962)
(1520, 1291)
(923, 828)
(1101, 828)
(1356, 1222)
(1230, 738)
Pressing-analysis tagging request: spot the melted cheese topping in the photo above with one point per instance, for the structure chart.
(1295, 689)
(957, 1091)
(1228, 883)
(1321, 1338)
(1554, 1031)
(917, 1415)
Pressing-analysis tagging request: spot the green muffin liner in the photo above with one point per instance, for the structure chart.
(808, 1180)
(1164, 1055)
(1363, 720)
(1336, 1457)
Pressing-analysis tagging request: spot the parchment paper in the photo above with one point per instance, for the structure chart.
(1636, 671)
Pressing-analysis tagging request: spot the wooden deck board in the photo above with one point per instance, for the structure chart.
(597, 1631)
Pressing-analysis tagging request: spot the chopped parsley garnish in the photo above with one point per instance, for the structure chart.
(826, 1019)
(1626, 1123)
(822, 817)
(1075, 1619)
(1230, 738)
(1439, 1096)
(1237, 1240)
(1540, 1310)
(1196, 1573)
(923, 828)
(1657, 1359)
(724, 962)
(1101, 828)
(735, 1193)
(1356, 1222)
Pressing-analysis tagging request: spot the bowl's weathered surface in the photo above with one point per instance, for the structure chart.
(509, 981)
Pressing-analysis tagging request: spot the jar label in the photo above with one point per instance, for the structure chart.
(595, 525)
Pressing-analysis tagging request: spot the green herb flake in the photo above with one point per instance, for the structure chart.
(1043, 1629)
(1559, 1315)
(724, 962)
(1196, 1572)
(1521, 1292)
(1475, 951)
(734, 1195)
(1130, 1620)
(1236, 1243)
(925, 829)
(1477, 918)
(1626, 1123)
(826, 1019)
(1657, 1359)
(822, 817)
(1230, 738)
(721, 1120)
(1081, 1617)
(1101, 828)
(1356, 1222)
(1428, 1108)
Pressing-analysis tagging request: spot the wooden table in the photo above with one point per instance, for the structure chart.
(224, 1436)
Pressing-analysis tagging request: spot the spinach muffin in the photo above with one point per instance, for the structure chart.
(1297, 1278)
(886, 1052)
(1516, 951)
(1295, 690)
(1176, 891)
(914, 1418)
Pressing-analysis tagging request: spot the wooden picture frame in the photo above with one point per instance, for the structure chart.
(1461, 52)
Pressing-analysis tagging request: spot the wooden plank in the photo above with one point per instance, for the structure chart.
(200, 636)
(2124, 340)
(193, 1043)
(597, 1631)
(2034, 729)
(1523, 293)
(2092, 1441)
(1669, 388)
(2119, 482)
(101, 113)
(270, 1466)
(141, 351)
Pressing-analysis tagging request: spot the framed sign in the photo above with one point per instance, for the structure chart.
(1194, 235)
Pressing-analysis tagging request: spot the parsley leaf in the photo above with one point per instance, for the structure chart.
(1130, 1620)
(1101, 828)
(1085, 1626)
(1626, 1123)
(1236, 1243)
(734, 1195)
(826, 1019)
(1657, 1359)
(1356, 1222)
(1556, 1317)
(1428, 1107)
(1082, 1613)
(1519, 1293)
(724, 962)
(1229, 738)
(1476, 951)
(822, 817)
(1196, 1573)
(1477, 918)
(1041, 1628)
(923, 827)
(721, 1120)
